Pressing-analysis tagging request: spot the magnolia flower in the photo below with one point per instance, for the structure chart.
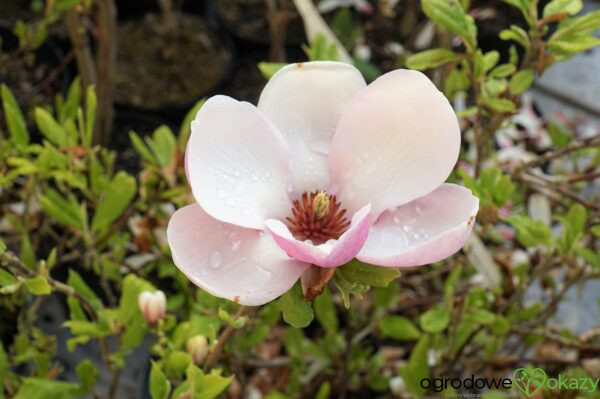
(152, 305)
(325, 169)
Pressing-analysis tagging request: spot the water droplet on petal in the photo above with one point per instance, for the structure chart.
(320, 147)
(221, 193)
(230, 201)
(216, 260)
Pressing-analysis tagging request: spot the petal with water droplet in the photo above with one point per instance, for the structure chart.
(230, 145)
(397, 140)
(423, 231)
(305, 102)
(229, 261)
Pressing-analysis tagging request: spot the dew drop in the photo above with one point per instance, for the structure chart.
(320, 147)
(234, 240)
(289, 187)
(230, 201)
(221, 193)
(216, 260)
(237, 173)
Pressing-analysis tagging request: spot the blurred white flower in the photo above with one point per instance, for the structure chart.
(153, 305)
(197, 346)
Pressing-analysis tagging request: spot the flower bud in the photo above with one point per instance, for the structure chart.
(152, 305)
(398, 386)
(197, 346)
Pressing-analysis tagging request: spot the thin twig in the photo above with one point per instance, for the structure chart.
(213, 358)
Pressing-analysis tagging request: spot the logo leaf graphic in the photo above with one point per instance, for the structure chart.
(529, 381)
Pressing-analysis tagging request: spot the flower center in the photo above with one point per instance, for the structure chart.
(317, 217)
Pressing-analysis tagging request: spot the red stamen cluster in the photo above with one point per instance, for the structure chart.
(304, 225)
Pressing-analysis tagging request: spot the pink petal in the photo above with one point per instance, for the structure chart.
(238, 163)
(333, 253)
(305, 102)
(423, 231)
(397, 140)
(239, 264)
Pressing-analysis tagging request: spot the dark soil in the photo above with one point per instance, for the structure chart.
(247, 20)
(158, 69)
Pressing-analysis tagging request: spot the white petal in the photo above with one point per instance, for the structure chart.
(423, 231)
(238, 163)
(239, 264)
(397, 140)
(305, 102)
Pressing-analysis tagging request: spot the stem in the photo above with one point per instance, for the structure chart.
(106, 58)
(573, 146)
(221, 341)
(81, 48)
(10, 261)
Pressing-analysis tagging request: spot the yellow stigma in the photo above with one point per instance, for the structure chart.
(321, 205)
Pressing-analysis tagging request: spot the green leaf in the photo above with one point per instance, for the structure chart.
(268, 69)
(398, 327)
(206, 386)
(69, 108)
(521, 81)
(573, 226)
(50, 128)
(163, 145)
(118, 195)
(526, 7)
(27, 253)
(575, 34)
(4, 366)
(141, 148)
(571, 7)
(14, 118)
(517, 34)
(435, 320)
(456, 82)
(88, 375)
(185, 129)
(325, 311)
(235, 322)
(573, 44)
(368, 70)
(500, 104)
(78, 283)
(361, 273)
(296, 311)
(160, 387)
(503, 71)
(65, 211)
(42, 388)
(452, 17)
(38, 285)
(6, 278)
(176, 363)
(559, 135)
(417, 368)
(431, 58)
(531, 233)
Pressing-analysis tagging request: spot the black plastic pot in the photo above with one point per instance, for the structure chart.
(37, 83)
(246, 82)
(247, 21)
(175, 111)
